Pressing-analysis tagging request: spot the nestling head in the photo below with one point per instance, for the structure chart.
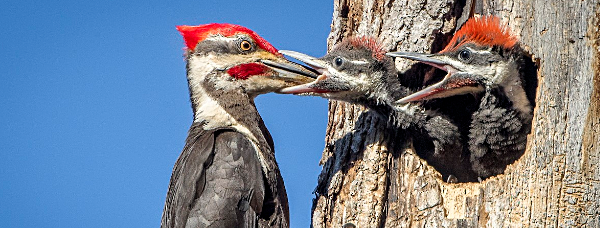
(355, 70)
(482, 54)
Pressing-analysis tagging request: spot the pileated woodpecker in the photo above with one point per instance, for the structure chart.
(358, 71)
(484, 59)
(227, 175)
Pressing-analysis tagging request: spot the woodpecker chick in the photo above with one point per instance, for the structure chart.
(484, 59)
(227, 175)
(357, 71)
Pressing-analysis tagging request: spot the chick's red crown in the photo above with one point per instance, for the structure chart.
(485, 31)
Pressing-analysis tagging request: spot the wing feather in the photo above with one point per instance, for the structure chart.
(216, 182)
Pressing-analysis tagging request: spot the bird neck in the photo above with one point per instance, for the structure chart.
(384, 94)
(512, 86)
(232, 108)
(504, 98)
(219, 103)
(383, 100)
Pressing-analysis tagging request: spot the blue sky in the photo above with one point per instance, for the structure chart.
(95, 108)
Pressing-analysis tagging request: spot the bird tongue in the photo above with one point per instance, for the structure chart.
(445, 67)
(306, 88)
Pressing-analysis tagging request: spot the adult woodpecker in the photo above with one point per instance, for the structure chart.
(358, 71)
(484, 59)
(227, 175)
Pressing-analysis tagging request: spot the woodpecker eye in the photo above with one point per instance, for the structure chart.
(338, 61)
(464, 55)
(245, 45)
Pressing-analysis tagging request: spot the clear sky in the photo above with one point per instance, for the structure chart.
(94, 107)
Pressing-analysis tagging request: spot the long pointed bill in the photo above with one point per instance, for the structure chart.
(311, 87)
(427, 93)
(454, 83)
(424, 58)
(317, 64)
(285, 68)
(320, 66)
(286, 71)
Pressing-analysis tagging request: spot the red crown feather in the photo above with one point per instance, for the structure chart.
(192, 35)
(485, 31)
(369, 43)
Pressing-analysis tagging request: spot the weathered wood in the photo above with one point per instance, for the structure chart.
(555, 183)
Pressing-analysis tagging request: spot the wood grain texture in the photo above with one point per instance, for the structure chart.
(372, 182)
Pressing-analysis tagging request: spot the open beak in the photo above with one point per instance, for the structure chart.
(289, 71)
(287, 67)
(325, 82)
(315, 63)
(454, 83)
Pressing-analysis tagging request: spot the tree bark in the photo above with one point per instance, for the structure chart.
(555, 183)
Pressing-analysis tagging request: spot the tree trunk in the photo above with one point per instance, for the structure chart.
(555, 183)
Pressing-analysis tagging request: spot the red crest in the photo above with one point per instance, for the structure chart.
(369, 43)
(485, 31)
(192, 35)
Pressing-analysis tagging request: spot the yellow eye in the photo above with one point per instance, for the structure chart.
(245, 45)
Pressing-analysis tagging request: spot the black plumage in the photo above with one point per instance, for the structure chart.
(219, 179)
(497, 133)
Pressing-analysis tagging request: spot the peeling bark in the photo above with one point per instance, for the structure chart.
(373, 182)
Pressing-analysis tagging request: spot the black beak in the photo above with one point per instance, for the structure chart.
(325, 82)
(286, 68)
(424, 58)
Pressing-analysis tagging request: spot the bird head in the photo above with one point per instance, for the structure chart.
(234, 57)
(355, 70)
(480, 55)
